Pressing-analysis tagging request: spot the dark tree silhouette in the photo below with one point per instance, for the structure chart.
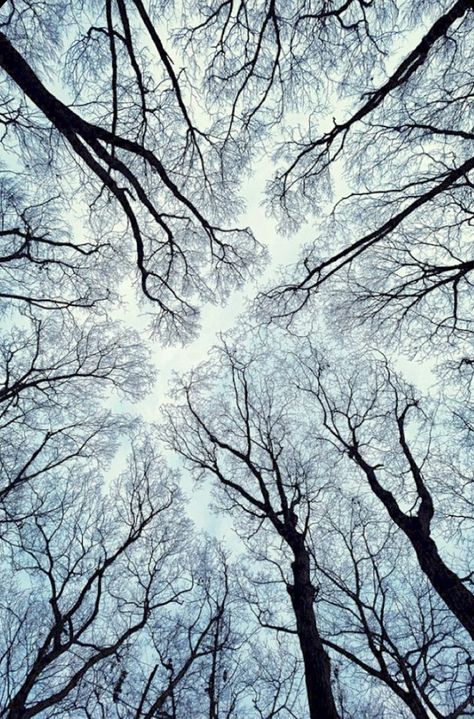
(396, 246)
(143, 162)
(102, 586)
(240, 444)
(368, 419)
(270, 433)
(126, 130)
(384, 618)
(53, 374)
(41, 267)
(265, 59)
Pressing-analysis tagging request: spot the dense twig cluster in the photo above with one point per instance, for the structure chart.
(345, 493)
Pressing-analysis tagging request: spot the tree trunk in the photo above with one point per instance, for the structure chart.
(316, 661)
(446, 582)
(417, 529)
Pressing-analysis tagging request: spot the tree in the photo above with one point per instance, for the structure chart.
(68, 627)
(102, 587)
(369, 422)
(97, 569)
(405, 151)
(54, 374)
(266, 59)
(383, 618)
(126, 130)
(145, 158)
(241, 446)
(387, 616)
(38, 255)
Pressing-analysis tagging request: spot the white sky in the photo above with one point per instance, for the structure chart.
(215, 320)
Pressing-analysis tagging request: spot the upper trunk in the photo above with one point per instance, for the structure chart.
(446, 582)
(417, 529)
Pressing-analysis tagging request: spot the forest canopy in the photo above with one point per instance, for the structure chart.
(289, 534)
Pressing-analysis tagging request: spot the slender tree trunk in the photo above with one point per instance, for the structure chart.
(211, 687)
(316, 660)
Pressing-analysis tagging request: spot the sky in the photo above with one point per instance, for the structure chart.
(217, 319)
(283, 251)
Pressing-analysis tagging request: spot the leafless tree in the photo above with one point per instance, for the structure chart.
(396, 246)
(54, 374)
(41, 266)
(109, 617)
(392, 621)
(68, 561)
(384, 620)
(147, 167)
(121, 161)
(265, 59)
(378, 423)
(240, 441)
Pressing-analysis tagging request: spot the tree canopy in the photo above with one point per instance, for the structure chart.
(289, 535)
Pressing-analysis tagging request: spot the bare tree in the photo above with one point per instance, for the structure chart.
(104, 589)
(74, 590)
(265, 59)
(54, 374)
(121, 158)
(384, 619)
(367, 417)
(389, 634)
(396, 246)
(41, 266)
(240, 442)
(145, 165)
(392, 621)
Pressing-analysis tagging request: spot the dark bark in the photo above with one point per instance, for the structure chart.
(399, 78)
(417, 529)
(316, 660)
(113, 160)
(317, 668)
(408, 696)
(211, 688)
(449, 586)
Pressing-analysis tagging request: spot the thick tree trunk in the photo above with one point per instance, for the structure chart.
(15, 713)
(316, 661)
(416, 707)
(446, 582)
(22, 74)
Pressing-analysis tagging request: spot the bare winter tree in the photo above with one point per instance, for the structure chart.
(150, 166)
(62, 629)
(378, 423)
(392, 621)
(396, 246)
(383, 618)
(389, 634)
(53, 375)
(109, 617)
(126, 129)
(137, 131)
(265, 59)
(41, 266)
(240, 442)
